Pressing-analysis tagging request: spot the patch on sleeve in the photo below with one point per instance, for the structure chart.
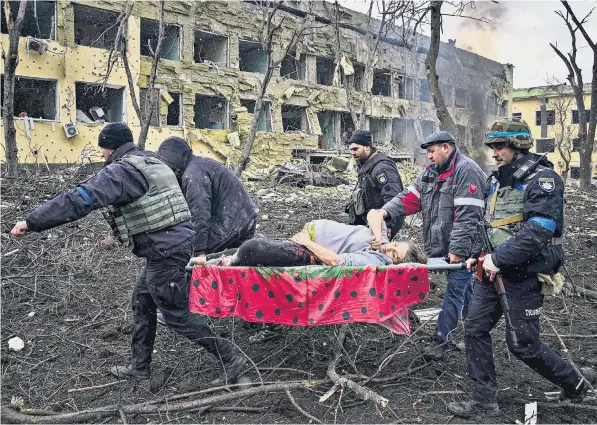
(547, 183)
(381, 178)
(472, 188)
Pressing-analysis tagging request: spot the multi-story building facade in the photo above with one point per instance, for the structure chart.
(212, 66)
(552, 114)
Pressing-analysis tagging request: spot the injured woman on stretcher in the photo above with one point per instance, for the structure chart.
(324, 242)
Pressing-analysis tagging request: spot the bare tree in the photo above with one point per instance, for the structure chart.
(586, 138)
(11, 61)
(120, 52)
(561, 103)
(269, 36)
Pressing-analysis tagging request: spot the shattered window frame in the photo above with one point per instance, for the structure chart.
(107, 32)
(265, 115)
(114, 89)
(381, 87)
(404, 135)
(326, 62)
(406, 86)
(575, 173)
(575, 145)
(212, 35)
(385, 126)
(331, 117)
(242, 64)
(35, 100)
(305, 124)
(29, 21)
(175, 95)
(168, 28)
(300, 66)
(550, 116)
(225, 113)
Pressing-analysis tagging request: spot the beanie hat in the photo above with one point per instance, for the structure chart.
(361, 137)
(175, 153)
(114, 135)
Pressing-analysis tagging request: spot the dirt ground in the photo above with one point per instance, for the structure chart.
(68, 298)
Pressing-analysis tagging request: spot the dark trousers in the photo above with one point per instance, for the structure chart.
(269, 253)
(525, 302)
(236, 239)
(164, 284)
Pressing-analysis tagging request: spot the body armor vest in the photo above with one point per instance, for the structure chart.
(505, 211)
(162, 206)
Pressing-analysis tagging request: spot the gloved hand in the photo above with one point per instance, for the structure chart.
(490, 268)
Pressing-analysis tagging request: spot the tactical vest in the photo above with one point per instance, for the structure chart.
(505, 210)
(162, 206)
(366, 195)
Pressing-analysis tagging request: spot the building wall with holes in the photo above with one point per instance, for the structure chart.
(526, 104)
(214, 69)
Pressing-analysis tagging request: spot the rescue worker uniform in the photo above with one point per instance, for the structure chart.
(450, 199)
(526, 219)
(223, 213)
(378, 182)
(149, 215)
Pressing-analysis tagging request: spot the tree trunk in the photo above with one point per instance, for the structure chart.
(11, 61)
(151, 95)
(585, 166)
(445, 119)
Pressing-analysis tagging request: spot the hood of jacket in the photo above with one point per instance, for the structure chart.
(175, 153)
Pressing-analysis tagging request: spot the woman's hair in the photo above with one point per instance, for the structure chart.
(415, 254)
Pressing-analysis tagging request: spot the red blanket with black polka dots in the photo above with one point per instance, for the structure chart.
(312, 295)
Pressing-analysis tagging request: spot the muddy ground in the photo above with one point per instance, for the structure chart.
(68, 298)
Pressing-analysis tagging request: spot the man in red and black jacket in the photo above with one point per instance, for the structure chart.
(449, 195)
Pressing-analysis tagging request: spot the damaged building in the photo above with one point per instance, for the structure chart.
(209, 76)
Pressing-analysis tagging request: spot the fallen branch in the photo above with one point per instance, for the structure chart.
(582, 291)
(9, 414)
(109, 384)
(300, 409)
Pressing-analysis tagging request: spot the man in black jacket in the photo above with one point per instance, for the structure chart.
(148, 214)
(222, 212)
(379, 180)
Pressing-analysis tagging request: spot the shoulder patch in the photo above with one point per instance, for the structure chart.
(547, 183)
(472, 188)
(381, 177)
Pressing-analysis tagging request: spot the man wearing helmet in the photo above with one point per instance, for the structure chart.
(449, 195)
(526, 217)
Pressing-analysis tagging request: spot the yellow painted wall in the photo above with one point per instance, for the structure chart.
(528, 108)
(68, 65)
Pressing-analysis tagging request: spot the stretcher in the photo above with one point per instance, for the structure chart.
(313, 295)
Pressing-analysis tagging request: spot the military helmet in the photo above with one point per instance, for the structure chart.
(515, 133)
(438, 137)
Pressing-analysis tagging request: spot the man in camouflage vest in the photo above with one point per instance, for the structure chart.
(526, 218)
(149, 215)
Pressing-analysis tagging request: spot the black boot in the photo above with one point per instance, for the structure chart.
(129, 372)
(438, 349)
(578, 395)
(234, 362)
(467, 408)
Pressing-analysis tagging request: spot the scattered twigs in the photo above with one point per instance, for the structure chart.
(95, 387)
(300, 409)
(567, 354)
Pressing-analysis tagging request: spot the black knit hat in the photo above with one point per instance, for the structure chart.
(361, 137)
(114, 135)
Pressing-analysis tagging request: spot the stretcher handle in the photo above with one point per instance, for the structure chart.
(190, 264)
(443, 264)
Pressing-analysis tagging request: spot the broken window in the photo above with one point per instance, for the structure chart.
(346, 126)
(174, 110)
(575, 117)
(380, 129)
(517, 116)
(462, 98)
(551, 117)
(403, 133)
(545, 145)
(382, 83)
(210, 47)
(575, 173)
(34, 98)
(170, 48)
(293, 68)
(98, 104)
(211, 112)
(405, 88)
(294, 118)
(446, 90)
(252, 57)
(575, 145)
(265, 118)
(325, 71)
(504, 109)
(95, 27)
(491, 104)
(327, 123)
(425, 95)
(143, 99)
(39, 21)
